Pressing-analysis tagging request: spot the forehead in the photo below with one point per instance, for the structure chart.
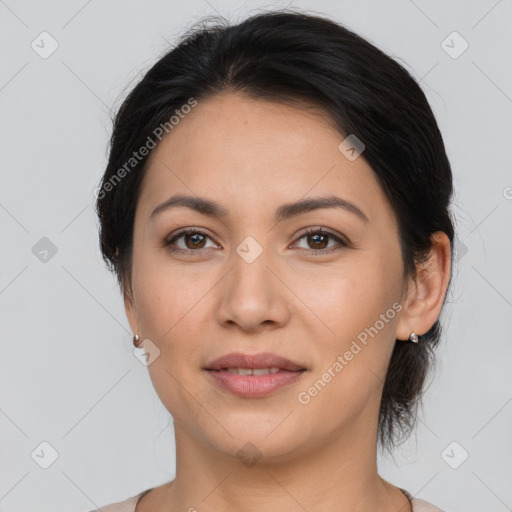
(250, 153)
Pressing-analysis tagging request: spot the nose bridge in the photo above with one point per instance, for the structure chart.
(250, 276)
(252, 296)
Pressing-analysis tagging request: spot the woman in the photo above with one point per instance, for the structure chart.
(276, 210)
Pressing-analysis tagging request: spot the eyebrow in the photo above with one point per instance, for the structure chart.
(284, 212)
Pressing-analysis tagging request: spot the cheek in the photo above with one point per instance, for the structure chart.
(173, 307)
(168, 306)
(352, 296)
(164, 293)
(359, 304)
(358, 307)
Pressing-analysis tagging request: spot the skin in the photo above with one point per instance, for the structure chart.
(251, 156)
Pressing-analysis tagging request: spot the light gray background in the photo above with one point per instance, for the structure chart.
(68, 375)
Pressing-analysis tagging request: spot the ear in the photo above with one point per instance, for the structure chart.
(427, 290)
(130, 310)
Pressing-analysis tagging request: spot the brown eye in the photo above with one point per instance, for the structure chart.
(318, 241)
(194, 241)
(187, 240)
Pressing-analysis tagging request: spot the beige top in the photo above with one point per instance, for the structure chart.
(130, 504)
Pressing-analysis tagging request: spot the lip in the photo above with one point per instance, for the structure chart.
(261, 360)
(252, 386)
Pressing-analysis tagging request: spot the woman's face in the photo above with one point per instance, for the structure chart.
(250, 279)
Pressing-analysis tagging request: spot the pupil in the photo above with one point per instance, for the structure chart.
(316, 242)
(196, 237)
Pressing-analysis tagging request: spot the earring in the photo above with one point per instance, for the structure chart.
(413, 337)
(136, 339)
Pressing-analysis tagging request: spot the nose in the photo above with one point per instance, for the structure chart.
(253, 297)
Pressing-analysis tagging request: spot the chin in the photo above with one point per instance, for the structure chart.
(257, 438)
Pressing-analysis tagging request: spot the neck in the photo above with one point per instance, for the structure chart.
(340, 476)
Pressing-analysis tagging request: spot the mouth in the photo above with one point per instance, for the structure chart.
(253, 371)
(237, 361)
(254, 375)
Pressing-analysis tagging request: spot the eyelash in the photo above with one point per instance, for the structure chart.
(168, 243)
